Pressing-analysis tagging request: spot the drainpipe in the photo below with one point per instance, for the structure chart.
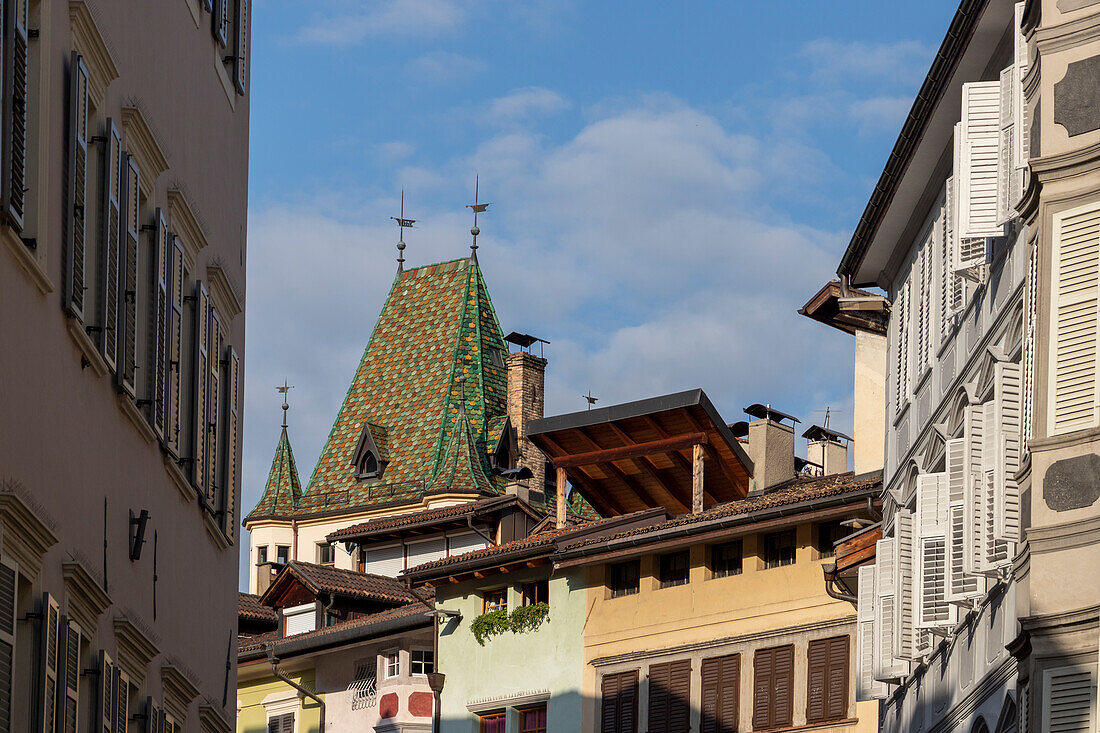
(829, 572)
(435, 680)
(308, 693)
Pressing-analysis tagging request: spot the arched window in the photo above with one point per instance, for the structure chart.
(1008, 719)
(979, 726)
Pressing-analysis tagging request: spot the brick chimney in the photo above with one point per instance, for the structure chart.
(526, 386)
(771, 448)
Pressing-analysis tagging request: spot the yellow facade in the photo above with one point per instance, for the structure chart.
(710, 617)
(267, 695)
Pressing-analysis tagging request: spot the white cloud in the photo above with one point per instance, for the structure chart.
(441, 67)
(394, 150)
(840, 62)
(880, 114)
(525, 103)
(351, 23)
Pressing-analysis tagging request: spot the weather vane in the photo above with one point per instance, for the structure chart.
(591, 400)
(402, 222)
(286, 387)
(477, 208)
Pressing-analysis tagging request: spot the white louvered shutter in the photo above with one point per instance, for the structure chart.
(68, 713)
(952, 287)
(901, 375)
(49, 662)
(998, 553)
(105, 694)
(1007, 399)
(930, 573)
(300, 619)
(1022, 64)
(1073, 365)
(905, 541)
(426, 551)
(1027, 388)
(213, 410)
(15, 112)
(960, 585)
(977, 176)
(174, 430)
(9, 575)
(75, 279)
(157, 359)
(109, 250)
(388, 561)
(126, 376)
(231, 443)
(887, 666)
(462, 543)
(240, 51)
(1008, 188)
(1069, 699)
(973, 504)
(201, 372)
(868, 688)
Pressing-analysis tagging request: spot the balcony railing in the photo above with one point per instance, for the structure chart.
(363, 694)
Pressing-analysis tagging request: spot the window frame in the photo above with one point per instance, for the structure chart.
(322, 547)
(715, 572)
(614, 582)
(828, 549)
(765, 549)
(831, 665)
(772, 713)
(529, 594)
(668, 576)
(261, 554)
(541, 707)
(494, 716)
(487, 603)
(393, 657)
(424, 662)
(278, 554)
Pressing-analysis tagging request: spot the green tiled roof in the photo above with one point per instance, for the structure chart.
(284, 488)
(437, 326)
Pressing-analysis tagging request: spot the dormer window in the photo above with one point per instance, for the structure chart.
(370, 457)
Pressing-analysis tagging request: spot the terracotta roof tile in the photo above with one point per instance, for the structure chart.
(249, 607)
(363, 622)
(425, 516)
(327, 579)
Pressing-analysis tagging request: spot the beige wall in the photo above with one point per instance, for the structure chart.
(67, 448)
(869, 432)
(711, 617)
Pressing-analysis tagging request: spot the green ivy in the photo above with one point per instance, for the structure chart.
(522, 619)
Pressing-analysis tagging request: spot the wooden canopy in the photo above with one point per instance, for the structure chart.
(672, 451)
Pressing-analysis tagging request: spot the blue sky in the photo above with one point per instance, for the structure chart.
(670, 182)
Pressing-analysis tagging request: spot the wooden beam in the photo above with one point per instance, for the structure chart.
(561, 479)
(504, 569)
(724, 469)
(630, 451)
(604, 503)
(637, 488)
(697, 479)
(479, 575)
(645, 465)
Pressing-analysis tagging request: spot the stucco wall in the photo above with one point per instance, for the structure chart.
(869, 429)
(252, 713)
(546, 660)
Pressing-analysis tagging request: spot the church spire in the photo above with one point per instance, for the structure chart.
(283, 489)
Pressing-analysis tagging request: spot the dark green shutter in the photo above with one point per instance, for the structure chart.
(158, 328)
(109, 251)
(105, 694)
(240, 51)
(68, 709)
(126, 376)
(9, 573)
(213, 410)
(201, 374)
(231, 443)
(47, 666)
(75, 285)
(15, 113)
(174, 415)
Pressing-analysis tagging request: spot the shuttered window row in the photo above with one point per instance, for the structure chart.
(721, 686)
(619, 703)
(827, 670)
(669, 693)
(773, 688)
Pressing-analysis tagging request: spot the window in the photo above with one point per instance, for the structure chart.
(726, 560)
(496, 358)
(494, 600)
(827, 693)
(532, 720)
(281, 723)
(669, 690)
(779, 549)
(261, 555)
(772, 688)
(623, 578)
(619, 703)
(721, 680)
(326, 554)
(674, 569)
(422, 661)
(393, 664)
(536, 592)
(492, 722)
(299, 619)
(828, 534)
(282, 554)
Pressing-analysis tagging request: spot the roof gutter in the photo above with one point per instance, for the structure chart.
(274, 661)
(721, 523)
(292, 646)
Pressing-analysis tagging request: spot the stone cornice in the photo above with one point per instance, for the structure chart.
(139, 141)
(211, 720)
(1070, 34)
(1063, 536)
(135, 649)
(222, 291)
(86, 600)
(25, 538)
(179, 690)
(90, 44)
(1061, 621)
(184, 224)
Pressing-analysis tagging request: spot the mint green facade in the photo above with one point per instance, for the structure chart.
(512, 670)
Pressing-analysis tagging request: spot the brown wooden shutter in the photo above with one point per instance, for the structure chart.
(609, 703)
(669, 689)
(221, 22)
(201, 374)
(240, 50)
(231, 445)
(619, 706)
(158, 328)
(836, 680)
(48, 662)
(174, 427)
(68, 713)
(773, 672)
(9, 573)
(15, 114)
(75, 218)
(126, 375)
(721, 684)
(105, 698)
(154, 716)
(817, 658)
(109, 252)
(122, 701)
(213, 410)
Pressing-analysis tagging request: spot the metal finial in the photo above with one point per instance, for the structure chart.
(284, 389)
(477, 209)
(402, 222)
(591, 400)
